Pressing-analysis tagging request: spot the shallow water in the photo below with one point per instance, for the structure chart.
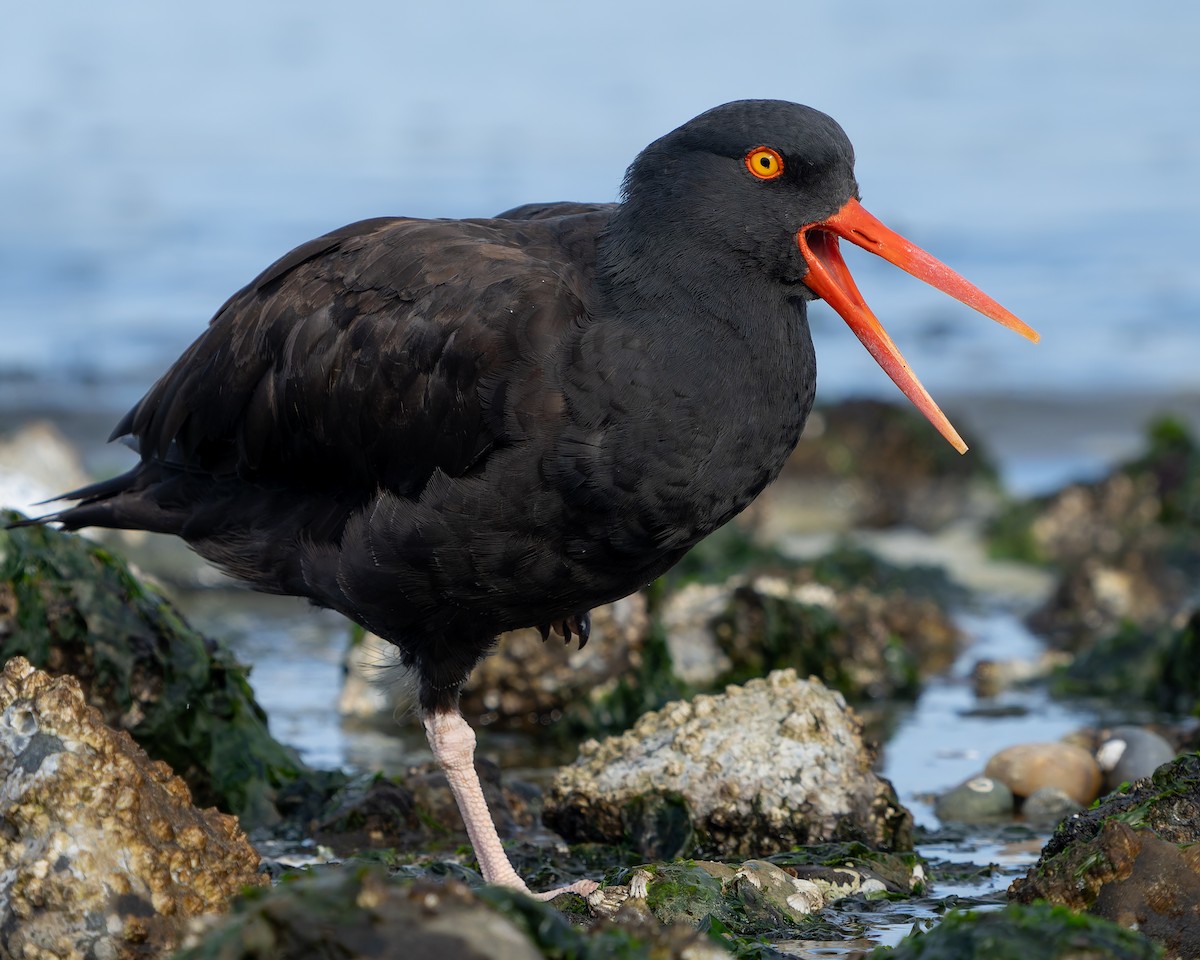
(941, 739)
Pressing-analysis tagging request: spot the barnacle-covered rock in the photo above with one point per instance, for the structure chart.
(102, 853)
(761, 768)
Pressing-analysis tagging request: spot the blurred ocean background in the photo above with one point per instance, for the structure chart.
(154, 157)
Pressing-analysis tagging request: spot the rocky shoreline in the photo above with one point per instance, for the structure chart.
(727, 803)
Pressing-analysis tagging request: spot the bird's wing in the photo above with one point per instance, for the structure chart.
(561, 208)
(370, 357)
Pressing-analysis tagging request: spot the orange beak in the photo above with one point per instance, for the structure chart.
(829, 279)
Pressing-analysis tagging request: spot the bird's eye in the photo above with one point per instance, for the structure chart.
(764, 163)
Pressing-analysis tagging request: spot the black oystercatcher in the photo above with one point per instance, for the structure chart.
(447, 429)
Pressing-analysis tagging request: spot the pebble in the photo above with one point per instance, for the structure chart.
(1128, 753)
(1047, 806)
(1027, 767)
(978, 800)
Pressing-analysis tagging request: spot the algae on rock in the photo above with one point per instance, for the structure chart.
(72, 607)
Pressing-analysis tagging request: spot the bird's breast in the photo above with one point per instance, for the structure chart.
(669, 434)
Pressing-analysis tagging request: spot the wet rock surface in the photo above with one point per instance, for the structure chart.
(779, 898)
(101, 852)
(776, 763)
(71, 607)
(736, 608)
(1038, 932)
(869, 629)
(868, 463)
(1125, 544)
(359, 912)
(1046, 806)
(1132, 859)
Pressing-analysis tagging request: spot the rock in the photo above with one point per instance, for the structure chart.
(1046, 806)
(687, 618)
(102, 854)
(870, 630)
(373, 812)
(1142, 503)
(529, 682)
(431, 792)
(1028, 767)
(1176, 688)
(1082, 521)
(71, 607)
(357, 912)
(526, 684)
(758, 898)
(853, 869)
(37, 462)
(989, 677)
(1159, 666)
(1129, 753)
(864, 644)
(774, 764)
(1127, 544)
(868, 463)
(1132, 858)
(978, 800)
(1037, 932)
(1131, 877)
(1096, 597)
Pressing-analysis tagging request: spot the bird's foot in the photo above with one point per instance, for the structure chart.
(580, 625)
(585, 888)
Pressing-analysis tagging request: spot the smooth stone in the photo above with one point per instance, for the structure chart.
(1129, 753)
(1047, 806)
(978, 800)
(1027, 767)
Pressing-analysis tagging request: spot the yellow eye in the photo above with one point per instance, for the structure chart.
(764, 163)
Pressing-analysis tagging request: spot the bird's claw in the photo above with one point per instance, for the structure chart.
(579, 625)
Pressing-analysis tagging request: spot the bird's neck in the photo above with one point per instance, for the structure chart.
(712, 350)
(714, 308)
(649, 262)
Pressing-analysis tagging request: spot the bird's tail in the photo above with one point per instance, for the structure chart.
(116, 503)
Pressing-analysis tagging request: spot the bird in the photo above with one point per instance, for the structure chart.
(448, 429)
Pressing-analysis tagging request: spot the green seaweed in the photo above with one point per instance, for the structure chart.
(1160, 666)
(651, 686)
(70, 606)
(1035, 932)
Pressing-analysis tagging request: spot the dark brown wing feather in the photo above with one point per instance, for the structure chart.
(376, 357)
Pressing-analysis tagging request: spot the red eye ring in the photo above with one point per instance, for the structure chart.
(764, 163)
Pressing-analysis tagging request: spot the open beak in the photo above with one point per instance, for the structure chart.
(829, 278)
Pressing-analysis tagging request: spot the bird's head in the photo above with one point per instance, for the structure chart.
(771, 183)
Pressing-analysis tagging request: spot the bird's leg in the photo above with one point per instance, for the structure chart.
(453, 744)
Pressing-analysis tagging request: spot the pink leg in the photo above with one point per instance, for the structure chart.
(453, 744)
